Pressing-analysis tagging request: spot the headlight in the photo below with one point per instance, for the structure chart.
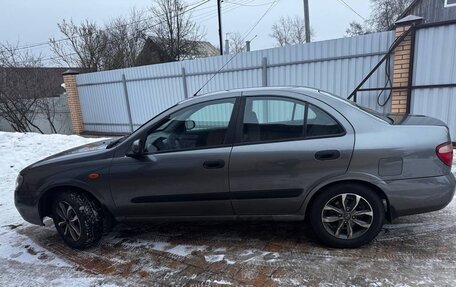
(19, 180)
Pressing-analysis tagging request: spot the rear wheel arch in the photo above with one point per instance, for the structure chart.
(380, 193)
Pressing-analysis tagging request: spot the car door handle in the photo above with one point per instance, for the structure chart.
(327, 155)
(212, 164)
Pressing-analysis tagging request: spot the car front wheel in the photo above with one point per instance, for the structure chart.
(347, 215)
(78, 219)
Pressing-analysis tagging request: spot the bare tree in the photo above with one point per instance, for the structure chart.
(383, 16)
(115, 46)
(18, 96)
(289, 31)
(356, 29)
(237, 43)
(126, 39)
(119, 43)
(27, 90)
(386, 12)
(173, 30)
(84, 45)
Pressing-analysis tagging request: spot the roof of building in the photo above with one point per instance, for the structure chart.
(152, 52)
(409, 18)
(51, 78)
(208, 49)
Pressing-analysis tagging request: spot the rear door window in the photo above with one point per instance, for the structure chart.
(270, 119)
(274, 118)
(320, 124)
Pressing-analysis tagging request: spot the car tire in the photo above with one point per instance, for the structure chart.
(78, 219)
(347, 215)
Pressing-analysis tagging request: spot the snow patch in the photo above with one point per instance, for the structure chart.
(179, 250)
(185, 250)
(214, 258)
(19, 248)
(222, 282)
(218, 282)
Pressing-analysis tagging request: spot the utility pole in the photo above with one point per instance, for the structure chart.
(307, 20)
(219, 11)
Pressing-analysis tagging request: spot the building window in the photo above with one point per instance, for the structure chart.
(450, 3)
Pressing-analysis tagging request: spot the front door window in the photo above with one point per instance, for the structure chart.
(198, 126)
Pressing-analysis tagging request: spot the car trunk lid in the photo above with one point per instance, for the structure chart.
(415, 120)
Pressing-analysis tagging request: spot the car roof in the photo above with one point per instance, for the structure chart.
(237, 92)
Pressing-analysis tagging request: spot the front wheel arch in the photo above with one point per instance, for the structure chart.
(45, 203)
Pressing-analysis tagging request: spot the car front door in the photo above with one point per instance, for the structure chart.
(285, 146)
(183, 170)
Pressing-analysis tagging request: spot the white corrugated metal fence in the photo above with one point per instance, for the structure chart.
(435, 64)
(337, 66)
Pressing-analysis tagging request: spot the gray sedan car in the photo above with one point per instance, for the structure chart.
(264, 153)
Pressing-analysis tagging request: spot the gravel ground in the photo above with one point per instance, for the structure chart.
(417, 250)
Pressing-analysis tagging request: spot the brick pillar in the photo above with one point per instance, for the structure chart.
(69, 77)
(403, 65)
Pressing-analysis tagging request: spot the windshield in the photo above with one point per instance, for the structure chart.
(376, 114)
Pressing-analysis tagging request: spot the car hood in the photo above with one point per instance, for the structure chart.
(99, 145)
(84, 152)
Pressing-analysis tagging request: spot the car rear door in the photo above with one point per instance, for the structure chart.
(284, 147)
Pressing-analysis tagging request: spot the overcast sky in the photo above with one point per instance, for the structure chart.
(32, 21)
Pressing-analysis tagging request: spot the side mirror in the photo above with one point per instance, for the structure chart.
(135, 149)
(189, 125)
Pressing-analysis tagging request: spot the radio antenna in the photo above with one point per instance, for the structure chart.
(273, 4)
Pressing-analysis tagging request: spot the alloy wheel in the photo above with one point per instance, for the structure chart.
(347, 216)
(68, 221)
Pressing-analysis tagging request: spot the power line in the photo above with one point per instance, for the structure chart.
(201, 18)
(39, 44)
(248, 5)
(210, 15)
(351, 8)
(274, 3)
(130, 23)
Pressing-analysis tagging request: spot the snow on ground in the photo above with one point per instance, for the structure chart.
(18, 150)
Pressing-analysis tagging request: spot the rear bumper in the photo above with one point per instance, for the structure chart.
(413, 196)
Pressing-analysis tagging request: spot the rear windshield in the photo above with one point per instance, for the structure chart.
(376, 114)
(381, 116)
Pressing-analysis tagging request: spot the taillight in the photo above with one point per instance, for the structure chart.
(445, 153)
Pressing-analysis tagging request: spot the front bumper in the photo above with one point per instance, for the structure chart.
(413, 196)
(28, 205)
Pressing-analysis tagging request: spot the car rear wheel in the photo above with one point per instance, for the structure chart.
(78, 219)
(347, 215)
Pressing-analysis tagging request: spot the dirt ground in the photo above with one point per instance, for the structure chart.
(414, 251)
